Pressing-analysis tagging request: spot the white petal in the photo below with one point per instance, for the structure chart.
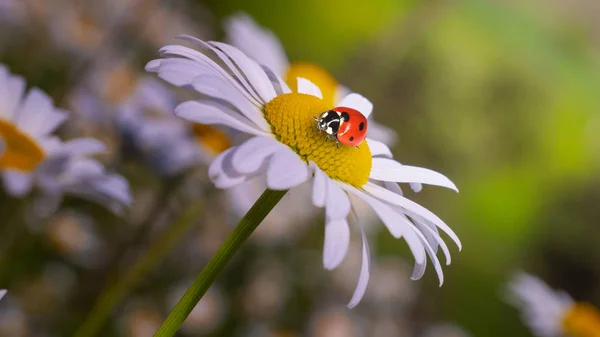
(252, 71)
(83, 146)
(225, 57)
(221, 171)
(2, 293)
(11, 92)
(393, 186)
(51, 145)
(390, 170)
(250, 155)
(387, 215)
(177, 71)
(279, 84)
(434, 239)
(338, 203)
(411, 207)
(436, 262)
(307, 87)
(319, 192)
(418, 270)
(217, 87)
(357, 102)
(108, 190)
(337, 241)
(153, 65)
(215, 113)
(397, 223)
(379, 148)
(258, 43)
(286, 170)
(17, 183)
(37, 115)
(363, 278)
(416, 187)
(205, 65)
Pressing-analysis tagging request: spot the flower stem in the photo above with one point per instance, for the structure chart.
(156, 252)
(242, 231)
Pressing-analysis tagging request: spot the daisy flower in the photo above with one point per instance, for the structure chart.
(264, 47)
(286, 147)
(551, 313)
(33, 156)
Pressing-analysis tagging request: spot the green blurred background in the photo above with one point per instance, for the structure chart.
(501, 96)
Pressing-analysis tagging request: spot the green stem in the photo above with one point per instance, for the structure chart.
(157, 251)
(242, 231)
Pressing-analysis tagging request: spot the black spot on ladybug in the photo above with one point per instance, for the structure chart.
(361, 126)
(351, 139)
(345, 116)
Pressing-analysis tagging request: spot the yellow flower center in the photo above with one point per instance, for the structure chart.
(315, 74)
(583, 320)
(211, 137)
(292, 122)
(20, 151)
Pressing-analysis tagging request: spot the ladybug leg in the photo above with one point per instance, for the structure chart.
(357, 147)
(337, 143)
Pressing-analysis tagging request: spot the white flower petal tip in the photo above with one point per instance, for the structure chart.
(411, 207)
(417, 187)
(336, 243)
(307, 87)
(390, 170)
(221, 171)
(2, 293)
(153, 66)
(363, 278)
(357, 102)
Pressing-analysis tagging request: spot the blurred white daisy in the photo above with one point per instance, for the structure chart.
(549, 312)
(265, 48)
(169, 144)
(289, 150)
(34, 157)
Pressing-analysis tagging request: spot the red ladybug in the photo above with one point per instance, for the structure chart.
(346, 125)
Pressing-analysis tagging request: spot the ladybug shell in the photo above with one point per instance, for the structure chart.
(353, 126)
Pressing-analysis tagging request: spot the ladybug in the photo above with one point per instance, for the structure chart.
(346, 125)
